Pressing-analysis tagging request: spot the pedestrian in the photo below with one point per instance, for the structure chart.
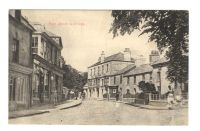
(55, 100)
(117, 96)
(178, 96)
(170, 98)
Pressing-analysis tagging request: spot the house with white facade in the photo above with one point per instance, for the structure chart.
(103, 75)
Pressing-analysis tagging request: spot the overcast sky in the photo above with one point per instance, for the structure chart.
(85, 34)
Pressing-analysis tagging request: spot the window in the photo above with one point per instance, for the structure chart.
(35, 45)
(102, 82)
(94, 70)
(107, 68)
(158, 77)
(143, 77)
(134, 79)
(120, 79)
(150, 76)
(102, 69)
(114, 79)
(12, 87)
(114, 90)
(128, 79)
(15, 51)
(52, 54)
(42, 47)
(98, 70)
(55, 56)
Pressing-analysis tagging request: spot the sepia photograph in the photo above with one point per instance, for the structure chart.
(98, 67)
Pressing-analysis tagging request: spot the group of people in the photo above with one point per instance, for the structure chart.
(76, 95)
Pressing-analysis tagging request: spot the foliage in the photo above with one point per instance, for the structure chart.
(168, 28)
(73, 79)
(147, 87)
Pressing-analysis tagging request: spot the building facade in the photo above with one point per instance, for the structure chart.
(103, 75)
(47, 66)
(20, 61)
(134, 76)
(155, 72)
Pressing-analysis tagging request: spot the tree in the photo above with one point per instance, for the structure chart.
(73, 79)
(142, 86)
(147, 87)
(168, 28)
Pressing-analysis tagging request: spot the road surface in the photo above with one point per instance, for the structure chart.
(92, 112)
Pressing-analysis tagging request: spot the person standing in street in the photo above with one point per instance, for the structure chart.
(55, 97)
(170, 98)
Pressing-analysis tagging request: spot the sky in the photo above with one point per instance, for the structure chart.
(85, 34)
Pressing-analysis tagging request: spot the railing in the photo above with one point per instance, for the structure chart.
(155, 97)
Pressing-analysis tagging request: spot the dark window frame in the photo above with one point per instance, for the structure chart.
(15, 51)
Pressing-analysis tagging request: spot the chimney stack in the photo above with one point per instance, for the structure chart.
(140, 60)
(102, 57)
(154, 56)
(127, 54)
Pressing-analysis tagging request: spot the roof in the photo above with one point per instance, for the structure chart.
(23, 21)
(41, 29)
(116, 57)
(50, 33)
(124, 70)
(140, 70)
(26, 23)
(160, 61)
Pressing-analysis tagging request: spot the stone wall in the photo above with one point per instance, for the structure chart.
(18, 32)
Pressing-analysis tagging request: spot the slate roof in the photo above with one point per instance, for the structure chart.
(124, 70)
(140, 70)
(116, 57)
(50, 33)
(160, 61)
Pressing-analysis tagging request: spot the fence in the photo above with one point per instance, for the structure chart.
(155, 97)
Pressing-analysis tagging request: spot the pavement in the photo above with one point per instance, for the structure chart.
(44, 109)
(153, 107)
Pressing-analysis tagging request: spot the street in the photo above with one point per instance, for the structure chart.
(92, 112)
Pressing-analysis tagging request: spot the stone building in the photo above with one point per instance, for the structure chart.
(154, 72)
(101, 74)
(133, 77)
(47, 66)
(20, 61)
